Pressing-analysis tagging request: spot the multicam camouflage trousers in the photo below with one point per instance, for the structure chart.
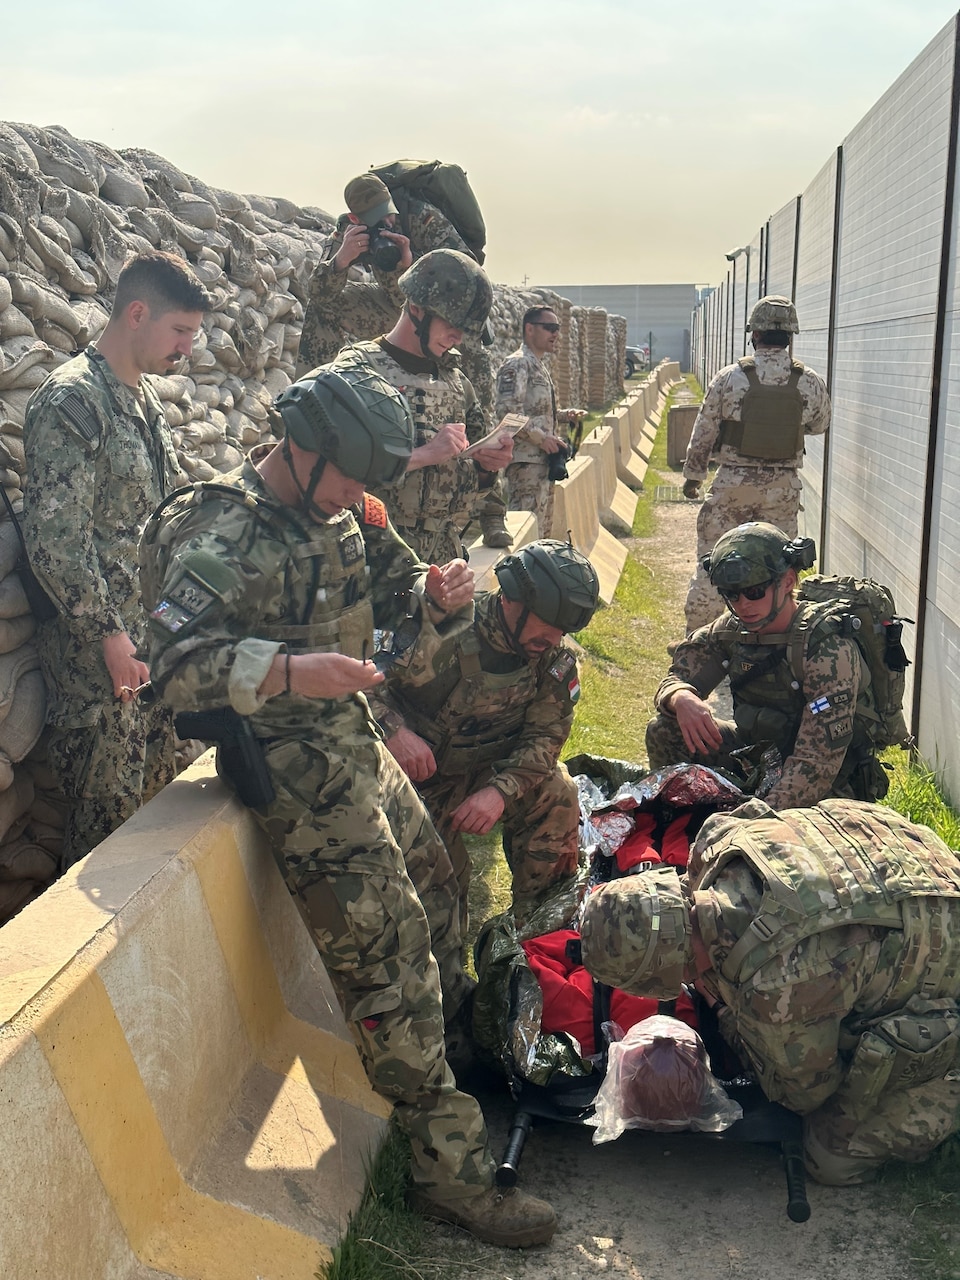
(738, 494)
(528, 489)
(541, 833)
(110, 769)
(375, 887)
(841, 1149)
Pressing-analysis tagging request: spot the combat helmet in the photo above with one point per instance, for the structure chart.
(451, 285)
(352, 417)
(552, 580)
(773, 312)
(755, 553)
(635, 934)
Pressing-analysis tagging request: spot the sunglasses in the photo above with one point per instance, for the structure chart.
(550, 328)
(748, 593)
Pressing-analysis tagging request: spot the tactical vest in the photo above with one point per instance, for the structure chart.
(768, 698)
(840, 862)
(478, 719)
(429, 498)
(328, 609)
(770, 426)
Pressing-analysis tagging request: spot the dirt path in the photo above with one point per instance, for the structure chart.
(649, 1207)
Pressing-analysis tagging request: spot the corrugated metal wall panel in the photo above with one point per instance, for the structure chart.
(781, 241)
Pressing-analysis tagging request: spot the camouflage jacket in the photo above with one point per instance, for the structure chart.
(342, 308)
(483, 708)
(435, 496)
(98, 460)
(229, 584)
(722, 404)
(797, 1018)
(812, 726)
(524, 386)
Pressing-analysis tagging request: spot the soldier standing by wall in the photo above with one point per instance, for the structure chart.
(757, 412)
(524, 385)
(447, 295)
(99, 457)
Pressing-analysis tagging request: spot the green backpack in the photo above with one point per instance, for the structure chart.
(864, 610)
(441, 184)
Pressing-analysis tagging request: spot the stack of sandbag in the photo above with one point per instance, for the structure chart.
(26, 866)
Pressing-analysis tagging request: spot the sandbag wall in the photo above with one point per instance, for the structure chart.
(71, 212)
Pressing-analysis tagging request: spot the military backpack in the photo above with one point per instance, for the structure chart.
(863, 610)
(441, 184)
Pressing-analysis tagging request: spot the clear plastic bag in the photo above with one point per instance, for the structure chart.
(658, 1078)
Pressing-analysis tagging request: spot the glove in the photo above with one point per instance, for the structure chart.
(691, 488)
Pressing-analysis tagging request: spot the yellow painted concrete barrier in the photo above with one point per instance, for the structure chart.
(617, 503)
(180, 1096)
(577, 511)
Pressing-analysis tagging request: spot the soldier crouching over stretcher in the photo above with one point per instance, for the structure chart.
(479, 726)
(828, 941)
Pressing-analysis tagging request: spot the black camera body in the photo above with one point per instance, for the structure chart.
(557, 464)
(382, 253)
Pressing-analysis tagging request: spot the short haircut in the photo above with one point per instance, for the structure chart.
(534, 314)
(161, 280)
(775, 338)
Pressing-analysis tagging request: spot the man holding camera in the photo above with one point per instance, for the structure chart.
(814, 722)
(756, 414)
(524, 386)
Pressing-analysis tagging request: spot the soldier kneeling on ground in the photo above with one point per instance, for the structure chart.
(481, 727)
(818, 722)
(827, 940)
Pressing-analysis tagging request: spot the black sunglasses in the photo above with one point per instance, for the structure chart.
(550, 328)
(748, 593)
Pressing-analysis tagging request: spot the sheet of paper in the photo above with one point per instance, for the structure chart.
(509, 425)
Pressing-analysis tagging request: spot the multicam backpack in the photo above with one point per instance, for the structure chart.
(864, 610)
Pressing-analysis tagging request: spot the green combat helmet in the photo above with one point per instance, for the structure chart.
(553, 581)
(635, 934)
(773, 312)
(352, 418)
(451, 285)
(756, 553)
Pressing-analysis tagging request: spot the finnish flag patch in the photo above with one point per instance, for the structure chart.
(819, 704)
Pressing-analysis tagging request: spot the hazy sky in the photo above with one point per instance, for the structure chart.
(609, 141)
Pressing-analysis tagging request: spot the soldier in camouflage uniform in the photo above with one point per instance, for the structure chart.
(447, 295)
(342, 310)
(480, 726)
(756, 413)
(99, 457)
(818, 724)
(828, 940)
(524, 385)
(263, 593)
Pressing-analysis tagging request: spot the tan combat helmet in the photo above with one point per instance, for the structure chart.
(771, 313)
(635, 934)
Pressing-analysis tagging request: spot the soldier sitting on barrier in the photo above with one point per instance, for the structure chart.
(828, 942)
(480, 728)
(814, 722)
(263, 593)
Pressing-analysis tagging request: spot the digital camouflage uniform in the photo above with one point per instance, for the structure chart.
(495, 718)
(844, 1000)
(524, 385)
(825, 748)
(98, 460)
(374, 884)
(746, 488)
(432, 506)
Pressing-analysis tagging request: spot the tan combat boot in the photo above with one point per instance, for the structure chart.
(504, 1216)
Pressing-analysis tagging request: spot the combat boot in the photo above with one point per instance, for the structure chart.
(504, 1216)
(497, 536)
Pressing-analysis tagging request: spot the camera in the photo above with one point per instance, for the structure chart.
(381, 252)
(557, 464)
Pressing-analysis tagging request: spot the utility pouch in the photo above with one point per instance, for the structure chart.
(239, 752)
(41, 606)
(916, 1044)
